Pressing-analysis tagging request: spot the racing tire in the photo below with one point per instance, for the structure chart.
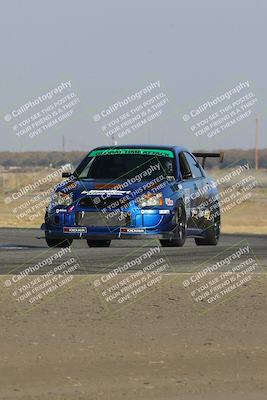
(179, 231)
(58, 242)
(212, 233)
(98, 243)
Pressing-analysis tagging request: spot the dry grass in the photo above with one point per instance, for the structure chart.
(247, 218)
(26, 210)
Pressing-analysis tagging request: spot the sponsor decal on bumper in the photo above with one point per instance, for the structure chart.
(106, 192)
(132, 230)
(75, 230)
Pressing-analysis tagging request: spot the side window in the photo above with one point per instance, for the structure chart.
(184, 167)
(194, 166)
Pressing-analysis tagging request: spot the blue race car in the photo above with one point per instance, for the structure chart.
(135, 192)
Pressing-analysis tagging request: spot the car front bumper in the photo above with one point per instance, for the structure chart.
(81, 224)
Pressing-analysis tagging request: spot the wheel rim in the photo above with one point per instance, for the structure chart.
(217, 227)
(180, 223)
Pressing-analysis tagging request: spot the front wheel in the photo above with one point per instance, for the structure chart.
(179, 230)
(212, 233)
(98, 243)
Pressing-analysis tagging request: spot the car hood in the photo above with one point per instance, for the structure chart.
(93, 187)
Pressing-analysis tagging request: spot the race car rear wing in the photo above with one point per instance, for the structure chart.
(206, 155)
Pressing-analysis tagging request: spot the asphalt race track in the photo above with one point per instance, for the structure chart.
(159, 345)
(21, 247)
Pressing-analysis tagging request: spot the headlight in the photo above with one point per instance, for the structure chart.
(61, 199)
(150, 200)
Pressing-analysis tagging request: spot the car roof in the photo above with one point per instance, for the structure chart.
(144, 146)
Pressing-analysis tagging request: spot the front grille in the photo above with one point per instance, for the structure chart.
(98, 203)
(102, 219)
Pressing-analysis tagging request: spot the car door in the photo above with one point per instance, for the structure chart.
(192, 182)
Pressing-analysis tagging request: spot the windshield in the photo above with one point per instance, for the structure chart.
(123, 164)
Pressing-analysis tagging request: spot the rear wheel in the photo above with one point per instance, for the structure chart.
(179, 230)
(58, 242)
(98, 243)
(212, 232)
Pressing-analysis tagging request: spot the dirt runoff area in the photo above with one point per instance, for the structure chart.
(163, 346)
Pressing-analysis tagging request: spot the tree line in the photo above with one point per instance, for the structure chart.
(57, 158)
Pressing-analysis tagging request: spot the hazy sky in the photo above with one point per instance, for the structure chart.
(111, 49)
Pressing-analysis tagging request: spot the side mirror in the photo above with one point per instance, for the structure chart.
(66, 174)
